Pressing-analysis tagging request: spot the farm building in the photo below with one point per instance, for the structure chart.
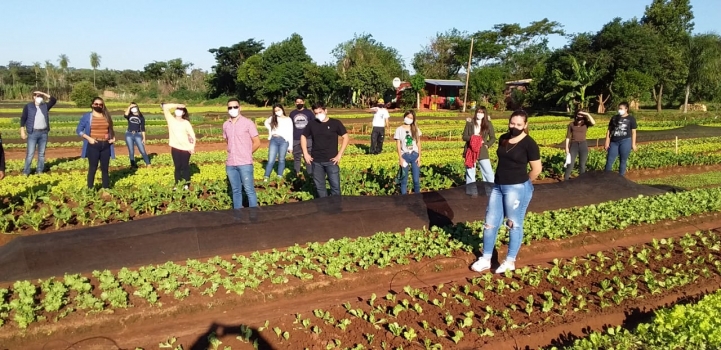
(439, 94)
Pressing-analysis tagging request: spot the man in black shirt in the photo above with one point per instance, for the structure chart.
(300, 116)
(325, 156)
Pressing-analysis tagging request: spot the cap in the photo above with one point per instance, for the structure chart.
(380, 100)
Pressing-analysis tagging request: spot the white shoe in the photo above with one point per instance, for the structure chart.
(506, 266)
(185, 187)
(481, 265)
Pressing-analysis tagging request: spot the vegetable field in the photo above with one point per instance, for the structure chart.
(636, 273)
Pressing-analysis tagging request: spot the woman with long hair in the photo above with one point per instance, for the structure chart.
(479, 136)
(135, 134)
(512, 191)
(280, 137)
(408, 144)
(96, 129)
(576, 141)
(181, 139)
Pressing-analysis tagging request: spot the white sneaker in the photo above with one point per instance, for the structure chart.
(506, 266)
(481, 265)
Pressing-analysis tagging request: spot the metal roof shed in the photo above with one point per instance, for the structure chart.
(442, 93)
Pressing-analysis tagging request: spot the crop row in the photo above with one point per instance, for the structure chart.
(693, 326)
(158, 284)
(521, 302)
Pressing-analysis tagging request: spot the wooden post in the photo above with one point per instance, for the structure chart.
(676, 144)
(468, 74)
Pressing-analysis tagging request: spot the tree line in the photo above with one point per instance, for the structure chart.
(654, 59)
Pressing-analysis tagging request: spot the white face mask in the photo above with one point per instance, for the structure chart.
(278, 113)
(178, 113)
(38, 100)
(408, 121)
(134, 109)
(320, 116)
(479, 116)
(621, 111)
(234, 113)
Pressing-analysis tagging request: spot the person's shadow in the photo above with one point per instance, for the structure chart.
(215, 330)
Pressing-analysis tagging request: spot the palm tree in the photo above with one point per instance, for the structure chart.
(63, 61)
(13, 73)
(36, 69)
(48, 68)
(95, 63)
(575, 86)
(704, 62)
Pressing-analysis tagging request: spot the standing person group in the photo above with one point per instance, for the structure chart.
(380, 123)
(34, 127)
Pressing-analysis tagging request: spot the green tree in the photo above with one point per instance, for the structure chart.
(228, 60)
(704, 63)
(673, 21)
(441, 58)
(366, 68)
(487, 84)
(36, 70)
(630, 85)
(574, 86)
(95, 63)
(83, 93)
(63, 62)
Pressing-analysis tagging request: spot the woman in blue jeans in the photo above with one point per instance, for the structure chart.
(408, 143)
(512, 191)
(480, 129)
(620, 138)
(135, 134)
(280, 137)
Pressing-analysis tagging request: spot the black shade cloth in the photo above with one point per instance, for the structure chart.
(179, 236)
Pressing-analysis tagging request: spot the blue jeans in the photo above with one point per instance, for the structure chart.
(511, 202)
(486, 172)
(132, 140)
(278, 147)
(320, 171)
(411, 159)
(241, 178)
(36, 140)
(618, 148)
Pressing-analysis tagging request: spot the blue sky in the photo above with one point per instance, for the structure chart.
(131, 33)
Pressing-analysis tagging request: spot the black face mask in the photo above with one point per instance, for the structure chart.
(98, 109)
(299, 106)
(515, 132)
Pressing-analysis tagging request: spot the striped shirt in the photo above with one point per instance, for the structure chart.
(99, 128)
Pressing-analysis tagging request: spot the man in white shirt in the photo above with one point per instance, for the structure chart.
(380, 123)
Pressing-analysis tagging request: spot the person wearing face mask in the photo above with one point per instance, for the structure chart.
(181, 139)
(96, 129)
(301, 116)
(34, 127)
(325, 156)
(512, 191)
(242, 138)
(280, 135)
(2, 158)
(479, 136)
(576, 141)
(620, 138)
(408, 145)
(135, 134)
(380, 123)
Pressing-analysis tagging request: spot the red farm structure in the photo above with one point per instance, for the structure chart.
(440, 94)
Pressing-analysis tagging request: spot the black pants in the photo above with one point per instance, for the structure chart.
(579, 149)
(377, 137)
(99, 152)
(2, 157)
(298, 157)
(181, 160)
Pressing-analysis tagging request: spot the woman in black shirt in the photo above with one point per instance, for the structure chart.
(620, 138)
(512, 191)
(135, 135)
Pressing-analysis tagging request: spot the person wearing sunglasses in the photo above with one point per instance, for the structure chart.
(96, 129)
(181, 139)
(241, 135)
(34, 127)
(408, 144)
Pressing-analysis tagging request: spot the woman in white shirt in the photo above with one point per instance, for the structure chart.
(408, 145)
(280, 135)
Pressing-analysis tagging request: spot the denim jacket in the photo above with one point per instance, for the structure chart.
(28, 118)
(84, 129)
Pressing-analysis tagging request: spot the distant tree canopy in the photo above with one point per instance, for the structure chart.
(654, 59)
